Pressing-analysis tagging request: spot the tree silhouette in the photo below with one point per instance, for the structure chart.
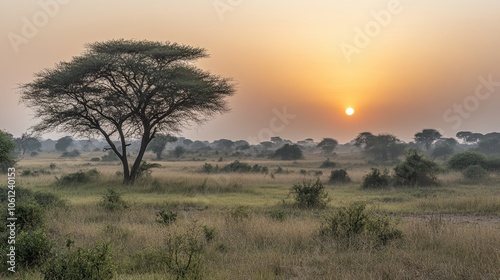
(328, 145)
(126, 89)
(427, 137)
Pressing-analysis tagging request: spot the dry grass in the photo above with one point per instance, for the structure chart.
(450, 232)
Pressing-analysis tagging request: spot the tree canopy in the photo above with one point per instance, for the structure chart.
(7, 147)
(328, 145)
(126, 89)
(427, 137)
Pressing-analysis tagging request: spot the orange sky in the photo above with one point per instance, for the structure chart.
(421, 60)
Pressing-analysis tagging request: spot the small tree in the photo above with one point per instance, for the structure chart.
(157, 145)
(381, 147)
(63, 143)
(27, 144)
(289, 152)
(427, 137)
(328, 145)
(416, 170)
(179, 151)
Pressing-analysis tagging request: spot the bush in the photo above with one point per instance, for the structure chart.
(184, 254)
(346, 224)
(30, 216)
(95, 159)
(475, 172)
(416, 170)
(52, 166)
(492, 164)
(48, 200)
(209, 168)
(310, 194)
(34, 154)
(376, 179)
(32, 248)
(328, 164)
(79, 177)
(90, 264)
(465, 159)
(112, 201)
(166, 217)
(237, 166)
(339, 176)
(72, 154)
(209, 232)
(288, 152)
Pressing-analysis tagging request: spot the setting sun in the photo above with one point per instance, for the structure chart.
(349, 111)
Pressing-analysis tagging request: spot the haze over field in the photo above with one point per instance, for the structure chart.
(402, 65)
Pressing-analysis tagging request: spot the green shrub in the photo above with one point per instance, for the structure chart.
(32, 248)
(339, 176)
(30, 216)
(465, 159)
(376, 179)
(52, 166)
(475, 172)
(85, 264)
(289, 152)
(209, 168)
(346, 224)
(209, 232)
(184, 254)
(95, 159)
(416, 170)
(166, 217)
(310, 194)
(492, 164)
(328, 164)
(79, 177)
(48, 200)
(112, 201)
(237, 166)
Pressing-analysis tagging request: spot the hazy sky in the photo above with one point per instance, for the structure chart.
(402, 65)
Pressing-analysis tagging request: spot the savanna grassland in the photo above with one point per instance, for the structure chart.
(246, 226)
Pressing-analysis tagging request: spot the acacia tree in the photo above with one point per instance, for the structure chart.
(427, 137)
(127, 89)
(382, 147)
(328, 145)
